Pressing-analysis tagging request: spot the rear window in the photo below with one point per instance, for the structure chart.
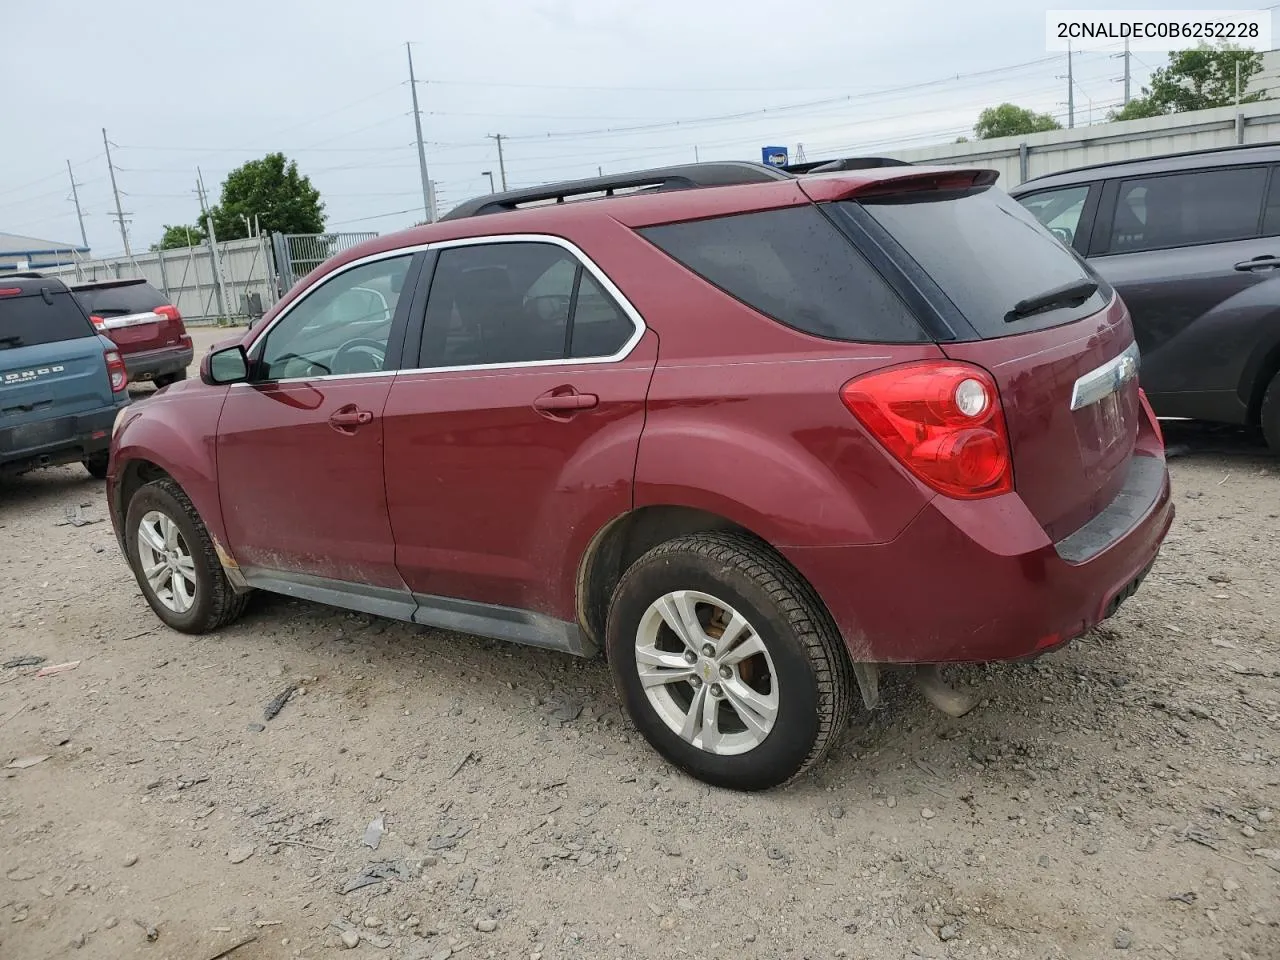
(986, 252)
(793, 265)
(31, 320)
(122, 300)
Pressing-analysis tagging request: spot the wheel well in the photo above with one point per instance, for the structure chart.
(623, 542)
(1266, 373)
(136, 474)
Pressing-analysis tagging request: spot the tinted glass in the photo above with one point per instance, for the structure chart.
(1271, 216)
(339, 327)
(986, 252)
(118, 301)
(1207, 206)
(515, 303)
(30, 320)
(1059, 210)
(792, 265)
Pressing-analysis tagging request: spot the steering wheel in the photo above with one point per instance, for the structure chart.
(361, 355)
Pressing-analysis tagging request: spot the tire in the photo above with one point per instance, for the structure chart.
(802, 672)
(1271, 414)
(97, 465)
(212, 603)
(168, 378)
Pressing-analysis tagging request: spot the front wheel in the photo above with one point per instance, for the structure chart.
(727, 662)
(97, 465)
(175, 563)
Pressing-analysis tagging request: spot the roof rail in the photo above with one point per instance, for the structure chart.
(681, 177)
(25, 274)
(845, 163)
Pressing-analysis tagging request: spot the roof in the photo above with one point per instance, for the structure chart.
(1165, 163)
(16, 245)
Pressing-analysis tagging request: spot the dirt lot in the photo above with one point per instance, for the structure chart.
(1114, 796)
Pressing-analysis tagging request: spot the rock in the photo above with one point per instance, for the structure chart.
(1123, 940)
(373, 833)
(927, 814)
(1230, 885)
(444, 954)
(111, 923)
(130, 860)
(372, 922)
(240, 854)
(667, 923)
(837, 811)
(1265, 815)
(20, 874)
(486, 924)
(891, 801)
(350, 939)
(77, 941)
(1091, 847)
(948, 932)
(1248, 831)
(257, 727)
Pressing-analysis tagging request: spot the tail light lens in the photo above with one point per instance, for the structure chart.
(1151, 416)
(943, 422)
(170, 312)
(116, 371)
(97, 321)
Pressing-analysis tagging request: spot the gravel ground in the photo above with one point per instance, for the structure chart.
(1111, 799)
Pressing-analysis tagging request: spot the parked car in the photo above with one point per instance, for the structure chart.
(147, 329)
(753, 434)
(61, 383)
(1192, 243)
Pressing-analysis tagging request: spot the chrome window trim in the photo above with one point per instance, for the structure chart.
(1107, 379)
(601, 277)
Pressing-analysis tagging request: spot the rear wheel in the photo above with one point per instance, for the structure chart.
(1271, 414)
(168, 378)
(175, 563)
(97, 465)
(727, 662)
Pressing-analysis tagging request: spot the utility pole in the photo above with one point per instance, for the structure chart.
(502, 167)
(427, 208)
(1237, 85)
(1126, 73)
(75, 197)
(124, 233)
(218, 290)
(1071, 91)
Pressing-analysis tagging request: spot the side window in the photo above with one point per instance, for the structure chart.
(1271, 216)
(517, 303)
(341, 326)
(792, 265)
(1059, 210)
(1208, 206)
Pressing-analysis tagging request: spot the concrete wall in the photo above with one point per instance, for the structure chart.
(1021, 158)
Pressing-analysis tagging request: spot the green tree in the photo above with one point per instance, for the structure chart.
(272, 189)
(180, 235)
(1196, 79)
(1008, 120)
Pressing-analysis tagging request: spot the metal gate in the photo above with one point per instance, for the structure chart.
(297, 254)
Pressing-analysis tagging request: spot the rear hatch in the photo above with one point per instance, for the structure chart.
(1043, 324)
(134, 314)
(51, 360)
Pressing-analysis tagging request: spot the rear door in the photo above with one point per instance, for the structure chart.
(128, 314)
(1195, 257)
(51, 361)
(515, 440)
(982, 259)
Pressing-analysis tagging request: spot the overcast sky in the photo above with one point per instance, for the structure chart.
(179, 85)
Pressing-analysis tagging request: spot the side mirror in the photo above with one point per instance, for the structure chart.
(228, 365)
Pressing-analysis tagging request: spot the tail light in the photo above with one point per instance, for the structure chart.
(116, 371)
(170, 312)
(1151, 416)
(97, 321)
(10, 291)
(943, 422)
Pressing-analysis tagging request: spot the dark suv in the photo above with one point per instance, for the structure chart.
(1192, 243)
(753, 434)
(61, 382)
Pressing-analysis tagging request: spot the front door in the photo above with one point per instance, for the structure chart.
(516, 439)
(300, 447)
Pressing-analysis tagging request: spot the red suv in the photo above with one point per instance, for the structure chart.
(753, 434)
(144, 326)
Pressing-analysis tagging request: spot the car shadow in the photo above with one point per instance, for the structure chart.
(38, 489)
(1197, 439)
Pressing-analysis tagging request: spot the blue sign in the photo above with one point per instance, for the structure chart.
(774, 156)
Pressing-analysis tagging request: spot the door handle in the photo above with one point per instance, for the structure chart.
(1264, 262)
(346, 419)
(563, 402)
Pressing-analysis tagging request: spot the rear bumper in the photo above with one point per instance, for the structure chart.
(47, 443)
(980, 580)
(149, 364)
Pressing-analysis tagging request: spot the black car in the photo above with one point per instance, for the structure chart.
(1192, 243)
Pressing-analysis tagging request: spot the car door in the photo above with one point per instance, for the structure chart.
(1194, 254)
(300, 446)
(515, 440)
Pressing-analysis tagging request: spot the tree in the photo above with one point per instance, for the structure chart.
(271, 189)
(1008, 120)
(1198, 79)
(181, 235)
